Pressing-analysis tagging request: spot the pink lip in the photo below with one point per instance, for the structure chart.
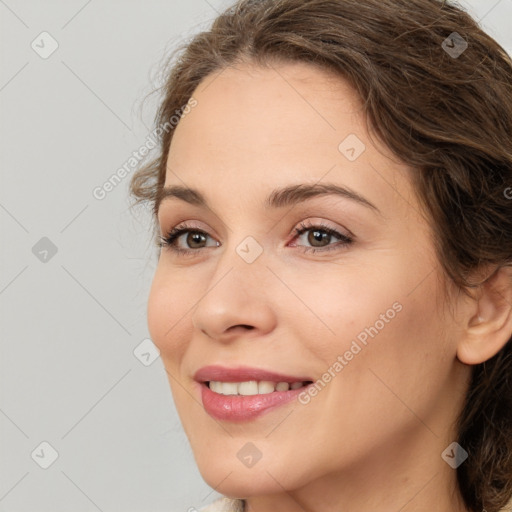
(243, 408)
(242, 374)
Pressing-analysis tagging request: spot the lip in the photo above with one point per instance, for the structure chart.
(243, 408)
(242, 374)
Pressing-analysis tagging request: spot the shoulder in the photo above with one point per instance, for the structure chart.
(224, 505)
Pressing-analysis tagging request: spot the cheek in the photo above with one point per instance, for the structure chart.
(377, 323)
(343, 304)
(167, 311)
(403, 365)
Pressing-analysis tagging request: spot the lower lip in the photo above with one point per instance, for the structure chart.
(243, 408)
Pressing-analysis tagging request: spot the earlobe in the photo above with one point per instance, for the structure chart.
(490, 328)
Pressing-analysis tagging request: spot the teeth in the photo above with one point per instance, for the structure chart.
(251, 387)
(216, 386)
(265, 387)
(246, 388)
(229, 388)
(282, 386)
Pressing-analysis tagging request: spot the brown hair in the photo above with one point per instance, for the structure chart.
(449, 116)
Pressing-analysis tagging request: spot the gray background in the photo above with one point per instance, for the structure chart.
(71, 321)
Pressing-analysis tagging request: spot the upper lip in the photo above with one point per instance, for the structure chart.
(243, 374)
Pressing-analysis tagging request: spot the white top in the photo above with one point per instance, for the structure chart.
(224, 505)
(230, 505)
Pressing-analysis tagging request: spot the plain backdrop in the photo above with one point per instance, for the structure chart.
(87, 421)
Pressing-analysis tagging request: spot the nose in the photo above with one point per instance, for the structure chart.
(237, 300)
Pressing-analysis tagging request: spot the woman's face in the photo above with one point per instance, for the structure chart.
(358, 311)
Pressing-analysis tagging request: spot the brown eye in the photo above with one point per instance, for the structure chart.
(319, 238)
(195, 237)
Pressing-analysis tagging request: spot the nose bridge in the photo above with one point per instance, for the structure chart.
(236, 292)
(243, 249)
(241, 268)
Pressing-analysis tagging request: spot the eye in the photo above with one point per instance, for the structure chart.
(319, 237)
(194, 239)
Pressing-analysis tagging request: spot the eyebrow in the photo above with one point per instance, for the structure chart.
(278, 198)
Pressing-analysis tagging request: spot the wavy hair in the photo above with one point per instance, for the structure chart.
(449, 116)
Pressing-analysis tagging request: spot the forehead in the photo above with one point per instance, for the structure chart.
(255, 128)
(276, 105)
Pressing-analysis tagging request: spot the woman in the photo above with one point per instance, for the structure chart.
(333, 296)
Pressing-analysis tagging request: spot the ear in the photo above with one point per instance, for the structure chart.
(489, 329)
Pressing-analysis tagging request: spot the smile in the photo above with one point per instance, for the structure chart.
(252, 387)
(243, 393)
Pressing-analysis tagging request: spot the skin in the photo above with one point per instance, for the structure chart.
(372, 439)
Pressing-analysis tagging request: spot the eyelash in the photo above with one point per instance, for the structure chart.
(169, 240)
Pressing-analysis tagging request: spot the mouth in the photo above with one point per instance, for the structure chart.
(253, 387)
(243, 393)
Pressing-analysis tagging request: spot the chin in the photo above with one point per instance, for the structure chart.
(243, 483)
(231, 477)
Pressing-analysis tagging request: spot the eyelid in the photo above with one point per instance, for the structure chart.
(184, 226)
(323, 224)
(304, 226)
